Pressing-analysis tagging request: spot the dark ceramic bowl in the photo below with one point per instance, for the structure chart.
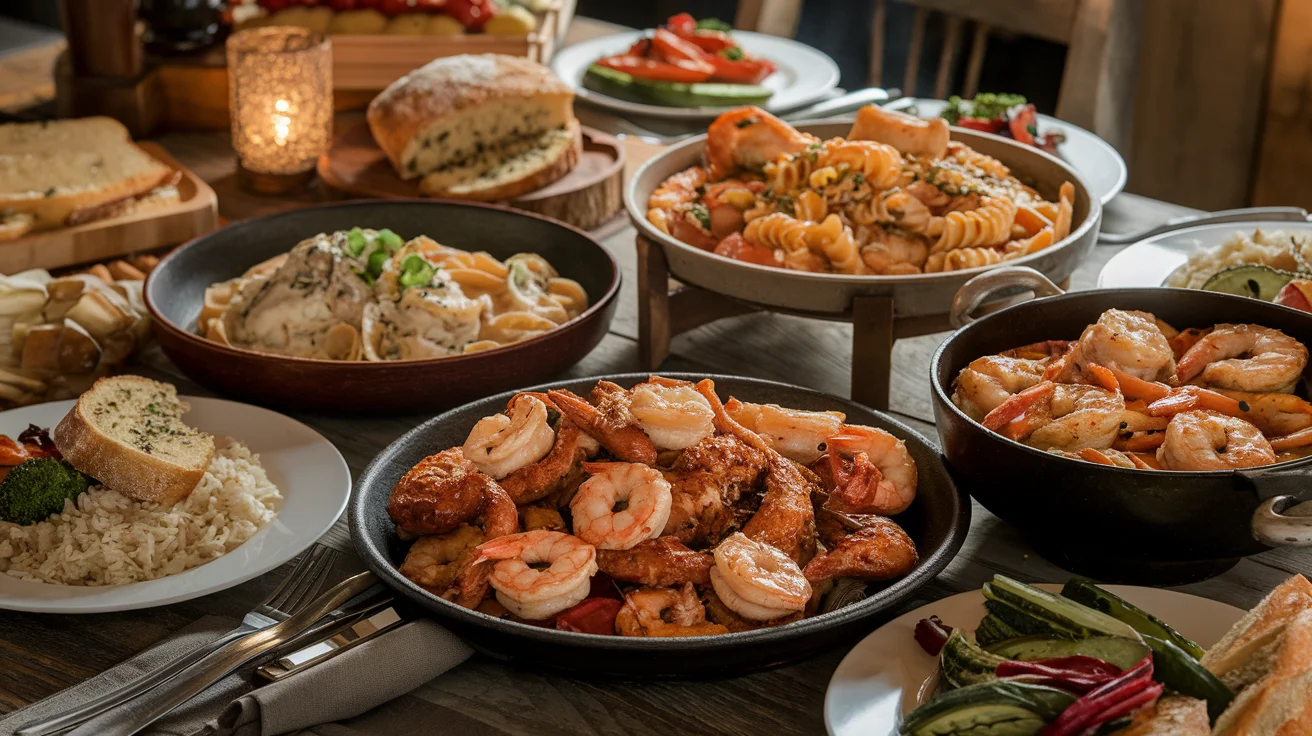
(1117, 524)
(176, 288)
(938, 521)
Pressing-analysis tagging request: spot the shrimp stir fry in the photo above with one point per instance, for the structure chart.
(660, 509)
(1134, 392)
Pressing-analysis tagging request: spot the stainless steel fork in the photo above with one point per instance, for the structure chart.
(298, 589)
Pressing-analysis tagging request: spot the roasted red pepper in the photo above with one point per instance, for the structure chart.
(988, 125)
(1022, 125)
(932, 634)
(472, 14)
(740, 71)
(710, 41)
(662, 71)
(673, 49)
(592, 616)
(736, 247)
(1131, 690)
(1074, 674)
(682, 23)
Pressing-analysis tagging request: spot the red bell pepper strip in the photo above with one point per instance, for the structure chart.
(639, 48)
(674, 49)
(662, 71)
(740, 71)
(1022, 125)
(931, 634)
(592, 616)
(710, 41)
(1112, 696)
(1074, 674)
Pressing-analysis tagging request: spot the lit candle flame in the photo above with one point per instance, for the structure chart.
(281, 123)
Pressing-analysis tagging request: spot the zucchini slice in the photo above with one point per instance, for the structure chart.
(1124, 653)
(1062, 614)
(962, 662)
(997, 708)
(1084, 592)
(992, 630)
(1253, 281)
(1176, 669)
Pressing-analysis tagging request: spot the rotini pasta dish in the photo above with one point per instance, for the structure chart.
(896, 196)
(368, 295)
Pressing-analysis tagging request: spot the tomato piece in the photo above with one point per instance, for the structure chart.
(682, 23)
(737, 248)
(11, 452)
(988, 125)
(710, 41)
(740, 71)
(660, 71)
(1022, 125)
(1293, 295)
(592, 616)
(674, 49)
(472, 14)
(639, 48)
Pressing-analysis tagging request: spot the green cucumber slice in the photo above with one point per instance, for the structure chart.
(1124, 653)
(1254, 282)
(1176, 669)
(1062, 614)
(962, 662)
(1085, 593)
(996, 708)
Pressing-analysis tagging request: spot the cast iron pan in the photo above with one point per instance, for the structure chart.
(938, 521)
(176, 288)
(1133, 526)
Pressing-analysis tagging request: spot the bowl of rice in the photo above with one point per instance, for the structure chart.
(1187, 258)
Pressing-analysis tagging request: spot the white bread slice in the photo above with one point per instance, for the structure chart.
(127, 432)
(1244, 654)
(452, 109)
(512, 170)
(1172, 715)
(52, 171)
(1280, 703)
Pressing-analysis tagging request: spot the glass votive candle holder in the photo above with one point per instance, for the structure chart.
(280, 97)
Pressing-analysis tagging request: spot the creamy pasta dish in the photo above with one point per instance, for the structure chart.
(369, 295)
(897, 196)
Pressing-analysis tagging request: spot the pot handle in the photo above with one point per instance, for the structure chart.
(979, 289)
(1281, 521)
(1247, 214)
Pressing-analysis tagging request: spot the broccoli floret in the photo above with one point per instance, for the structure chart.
(37, 488)
(993, 105)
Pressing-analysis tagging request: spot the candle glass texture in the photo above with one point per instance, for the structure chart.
(280, 84)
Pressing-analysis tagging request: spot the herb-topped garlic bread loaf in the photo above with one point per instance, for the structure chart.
(463, 118)
(512, 170)
(54, 171)
(127, 432)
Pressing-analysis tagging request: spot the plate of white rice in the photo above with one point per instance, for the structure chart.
(273, 487)
(1187, 258)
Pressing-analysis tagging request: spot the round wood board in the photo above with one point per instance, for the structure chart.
(587, 197)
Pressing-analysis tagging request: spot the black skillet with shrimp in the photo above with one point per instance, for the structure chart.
(710, 524)
(1140, 435)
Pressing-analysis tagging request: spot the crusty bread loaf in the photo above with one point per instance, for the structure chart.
(15, 225)
(1171, 715)
(510, 171)
(1243, 655)
(54, 170)
(454, 109)
(1279, 703)
(127, 432)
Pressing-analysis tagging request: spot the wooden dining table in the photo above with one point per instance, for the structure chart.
(41, 654)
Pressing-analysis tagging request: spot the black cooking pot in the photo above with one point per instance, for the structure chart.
(1136, 526)
(937, 520)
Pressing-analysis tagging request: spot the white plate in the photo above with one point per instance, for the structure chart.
(311, 474)
(1149, 262)
(1093, 158)
(877, 683)
(802, 74)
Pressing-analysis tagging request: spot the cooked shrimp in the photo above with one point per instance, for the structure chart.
(1204, 440)
(440, 493)
(620, 505)
(671, 412)
(1139, 430)
(1244, 358)
(1130, 341)
(609, 421)
(749, 138)
(665, 612)
(756, 580)
(878, 549)
(871, 470)
(662, 562)
(785, 518)
(906, 133)
(548, 475)
(1054, 415)
(434, 560)
(532, 593)
(797, 435)
(503, 443)
(706, 482)
(988, 381)
(1274, 414)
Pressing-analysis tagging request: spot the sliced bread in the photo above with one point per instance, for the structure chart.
(1244, 654)
(52, 171)
(127, 432)
(512, 170)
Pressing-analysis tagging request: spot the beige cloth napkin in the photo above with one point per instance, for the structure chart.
(352, 683)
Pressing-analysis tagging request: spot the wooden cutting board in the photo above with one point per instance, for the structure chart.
(587, 197)
(195, 212)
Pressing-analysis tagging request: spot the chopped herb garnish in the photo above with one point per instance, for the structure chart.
(702, 214)
(713, 24)
(746, 122)
(733, 53)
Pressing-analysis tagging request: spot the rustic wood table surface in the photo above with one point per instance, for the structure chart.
(42, 654)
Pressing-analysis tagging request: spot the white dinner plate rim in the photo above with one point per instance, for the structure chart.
(975, 598)
(571, 62)
(1184, 242)
(326, 481)
(1106, 187)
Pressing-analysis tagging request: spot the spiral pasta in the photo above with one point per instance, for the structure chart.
(879, 164)
(963, 258)
(988, 225)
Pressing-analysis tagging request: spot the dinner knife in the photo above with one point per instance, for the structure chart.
(136, 715)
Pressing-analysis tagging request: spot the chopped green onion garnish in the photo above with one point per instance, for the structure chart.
(390, 240)
(376, 261)
(355, 241)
